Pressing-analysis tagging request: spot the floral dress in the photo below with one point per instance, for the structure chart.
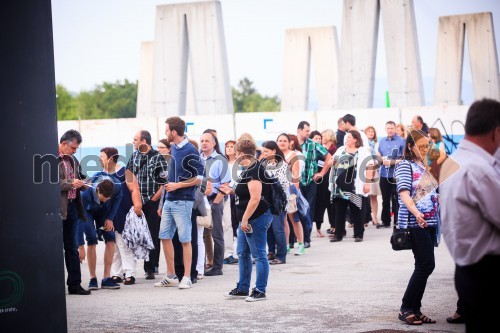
(423, 187)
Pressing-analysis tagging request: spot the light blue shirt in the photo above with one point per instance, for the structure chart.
(392, 149)
(216, 169)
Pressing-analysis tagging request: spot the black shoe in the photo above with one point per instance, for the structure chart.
(291, 245)
(194, 280)
(129, 281)
(380, 226)
(358, 239)
(213, 272)
(78, 290)
(307, 245)
(271, 256)
(459, 320)
(235, 294)
(150, 276)
(256, 296)
(117, 279)
(335, 239)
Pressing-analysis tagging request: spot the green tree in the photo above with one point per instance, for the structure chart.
(66, 104)
(247, 99)
(107, 100)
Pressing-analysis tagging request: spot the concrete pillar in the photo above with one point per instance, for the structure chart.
(482, 54)
(402, 53)
(145, 84)
(358, 53)
(190, 34)
(319, 45)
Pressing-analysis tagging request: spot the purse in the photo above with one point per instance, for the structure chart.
(401, 240)
(292, 203)
(206, 220)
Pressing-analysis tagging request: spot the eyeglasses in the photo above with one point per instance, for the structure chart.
(423, 146)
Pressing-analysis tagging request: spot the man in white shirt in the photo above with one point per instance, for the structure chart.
(470, 212)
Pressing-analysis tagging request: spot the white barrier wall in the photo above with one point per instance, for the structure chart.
(265, 126)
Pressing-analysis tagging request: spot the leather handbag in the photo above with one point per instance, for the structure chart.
(401, 240)
(206, 220)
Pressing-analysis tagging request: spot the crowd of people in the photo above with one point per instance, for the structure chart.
(158, 199)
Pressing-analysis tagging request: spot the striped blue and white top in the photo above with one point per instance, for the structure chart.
(423, 189)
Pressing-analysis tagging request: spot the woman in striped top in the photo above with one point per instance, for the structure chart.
(418, 210)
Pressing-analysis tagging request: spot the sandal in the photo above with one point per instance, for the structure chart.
(409, 318)
(424, 319)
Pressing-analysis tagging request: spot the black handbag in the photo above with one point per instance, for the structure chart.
(401, 240)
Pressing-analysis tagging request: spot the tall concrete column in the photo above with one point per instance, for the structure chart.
(450, 57)
(358, 53)
(319, 45)
(145, 84)
(190, 35)
(404, 72)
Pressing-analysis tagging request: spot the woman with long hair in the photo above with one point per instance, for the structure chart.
(375, 191)
(401, 131)
(229, 219)
(437, 152)
(286, 145)
(274, 162)
(418, 211)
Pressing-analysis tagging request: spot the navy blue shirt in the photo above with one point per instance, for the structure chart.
(392, 149)
(185, 164)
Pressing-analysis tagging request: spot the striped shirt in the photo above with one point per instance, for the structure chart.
(312, 152)
(423, 190)
(151, 172)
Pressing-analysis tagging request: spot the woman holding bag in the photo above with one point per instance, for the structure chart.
(418, 202)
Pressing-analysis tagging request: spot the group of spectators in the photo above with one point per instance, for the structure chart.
(158, 198)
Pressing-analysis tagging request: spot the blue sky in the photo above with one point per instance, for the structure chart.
(99, 40)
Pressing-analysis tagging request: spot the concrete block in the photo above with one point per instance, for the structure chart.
(402, 53)
(190, 35)
(482, 54)
(303, 46)
(358, 53)
(145, 84)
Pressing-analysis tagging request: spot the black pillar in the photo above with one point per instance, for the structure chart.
(32, 285)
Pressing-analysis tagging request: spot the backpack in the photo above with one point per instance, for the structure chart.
(278, 199)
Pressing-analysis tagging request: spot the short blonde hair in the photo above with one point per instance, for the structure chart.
(329, 135)
(248, 137)
(374, 132)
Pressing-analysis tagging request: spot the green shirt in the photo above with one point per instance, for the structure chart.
(312, 152)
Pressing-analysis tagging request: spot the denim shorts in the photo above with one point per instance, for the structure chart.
(176, 215)
(88, 229)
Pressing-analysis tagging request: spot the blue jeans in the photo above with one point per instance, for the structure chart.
(276, 238)
(254, 244)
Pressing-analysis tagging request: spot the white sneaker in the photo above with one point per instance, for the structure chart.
(168, 282)
(300, 250)
(199, 277)
(185, 283)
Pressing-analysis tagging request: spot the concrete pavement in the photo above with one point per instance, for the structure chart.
(335, 287)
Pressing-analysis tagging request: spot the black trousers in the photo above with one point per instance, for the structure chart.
(479, 291)
(178, 252)
(309, 192)
(323, 203)
(150, 209)
(340, 216)
(70, 242)
(389, 196)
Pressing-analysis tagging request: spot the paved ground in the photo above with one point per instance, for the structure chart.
(335, 287)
